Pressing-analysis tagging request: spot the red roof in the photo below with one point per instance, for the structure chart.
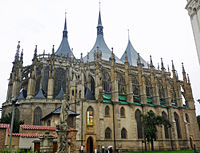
(72, 129)
(34, 127)
(4, 126)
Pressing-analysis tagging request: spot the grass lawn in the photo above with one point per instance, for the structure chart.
(175, 151)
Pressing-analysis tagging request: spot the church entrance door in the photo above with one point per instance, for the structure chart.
(90, 145)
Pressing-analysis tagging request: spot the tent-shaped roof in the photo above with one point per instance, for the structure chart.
(132, 56)
(101, 45)
(64, 48)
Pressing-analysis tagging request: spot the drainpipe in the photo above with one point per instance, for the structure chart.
(114, 139)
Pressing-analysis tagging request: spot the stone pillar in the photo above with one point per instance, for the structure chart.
(46, 143)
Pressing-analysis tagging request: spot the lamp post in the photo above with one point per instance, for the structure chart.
(14, 104)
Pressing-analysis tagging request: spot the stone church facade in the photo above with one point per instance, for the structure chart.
(108, 93)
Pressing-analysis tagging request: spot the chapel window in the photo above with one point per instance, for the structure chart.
(107, 110)
(122, 112)
(90, 116)
(37, 116)
(108, 133)
(123, 133)
(166, 129)
(139, 123)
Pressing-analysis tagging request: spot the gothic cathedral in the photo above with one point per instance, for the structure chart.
(108, 93)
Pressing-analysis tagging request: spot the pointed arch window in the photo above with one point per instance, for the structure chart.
(90, 116)
(166, 130)
(161, 92)
(37, 116)
(135, 86)
(149, 92)
(121, 84)
(139, 124)
(123, 133)
(107, 111)
(108, 133)
(38, 79)
(45, 79)
(106, 82)
(178, 127)
(122, 112)
(59, 81)
(92, 85)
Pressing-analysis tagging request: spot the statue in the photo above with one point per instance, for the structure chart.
(63, 129)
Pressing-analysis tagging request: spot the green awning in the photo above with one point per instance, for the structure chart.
(151, 105)
(139, 104)
(122, 98)
(106, 101)
(124, 102)
(164, 106)
(149, 100)
(107, 96)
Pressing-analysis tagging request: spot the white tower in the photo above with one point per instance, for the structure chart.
(193, 7)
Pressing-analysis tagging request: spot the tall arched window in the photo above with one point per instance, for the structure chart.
(37, 116)
(165, 127)
(108, 133)
(45, 79)
(59, 81)
(161, 92)
(107, 110)
(106, 81)
(149, 92)
(139, 124)
(38, 79)
(90, 116)
(121, 84)
(123, 133)
(122, 112)
(135, 86)
(17, 114)
(178, 128)
(92, 85)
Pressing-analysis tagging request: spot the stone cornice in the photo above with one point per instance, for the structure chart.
(193, 6)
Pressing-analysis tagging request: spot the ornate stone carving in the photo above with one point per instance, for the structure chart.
(63, 129)
(192, 7)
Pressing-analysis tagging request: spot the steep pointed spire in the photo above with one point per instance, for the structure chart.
(162, 65)
(17, 52)
(151, 63)
(183, 69)
(132, 55)
(100, 42)
(184, 74)
(173, 68)
(35, 53)
(64, 48)
(65, 26)
(99, 26)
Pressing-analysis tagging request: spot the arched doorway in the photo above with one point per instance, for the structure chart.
(90, 145)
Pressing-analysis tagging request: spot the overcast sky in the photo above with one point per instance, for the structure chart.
(160, 28)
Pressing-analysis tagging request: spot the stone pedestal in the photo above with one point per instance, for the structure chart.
(46, 143)
(62, 141)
